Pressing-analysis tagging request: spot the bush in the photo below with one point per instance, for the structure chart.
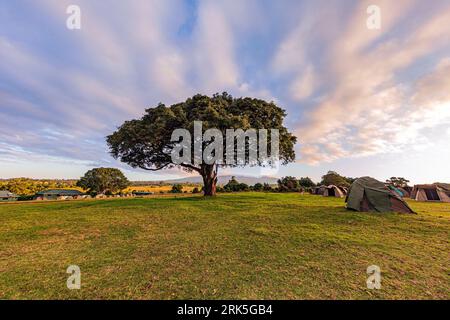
(234, 186)
(25, 198)
(177, 188)
(195, 190)
(243, 187)
(288, 184)
(258, 187)
(306, 183)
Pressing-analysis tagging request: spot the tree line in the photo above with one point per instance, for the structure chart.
(27, 186)
(112, 181)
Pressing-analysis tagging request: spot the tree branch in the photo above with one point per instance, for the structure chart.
(156, 169)
(190, 167)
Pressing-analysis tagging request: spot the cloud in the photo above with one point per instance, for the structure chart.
(434, 87)
(65, 92)
(214, 49)
(349, 91)
(369, 110)
(303, 86)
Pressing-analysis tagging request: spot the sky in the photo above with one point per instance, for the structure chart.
(361, 101)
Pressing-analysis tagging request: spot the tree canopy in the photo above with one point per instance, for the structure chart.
(235, 186)
(103, 181)
(258, 187)
(27, 187)
(146, 142)
(306, 182)
(288, 184)
(334, 178)
(398, 182)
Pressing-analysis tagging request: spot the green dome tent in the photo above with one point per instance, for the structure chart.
(369, 194)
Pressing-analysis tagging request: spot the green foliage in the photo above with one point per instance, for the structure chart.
(234, 186)
(26, 198)
(177, 188)
(258, 187)
(195, 190)
(398, 182)
(267, 187)
(288, 184)
(146, 143)
(243, 187)
(306, 183)
(28, 187)
(103, 181)
(333, 178)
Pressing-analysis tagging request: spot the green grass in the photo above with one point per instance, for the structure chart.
(235, 246)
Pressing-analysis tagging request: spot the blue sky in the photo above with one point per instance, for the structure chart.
(360, 101)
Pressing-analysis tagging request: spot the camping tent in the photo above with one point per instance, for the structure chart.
(319, 190)
(430, 192)
(344, 190)
(396, 190)
(405, 193)
(368, 194)
(333, 191)
(408, 190)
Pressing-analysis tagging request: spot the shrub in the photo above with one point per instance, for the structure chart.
(234, 186)
(306, 183)
(288, 184)
(25, 198)
(258, 187)
(177, 188)
(243, 187)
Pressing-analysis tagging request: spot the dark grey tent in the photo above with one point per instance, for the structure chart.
(431, 192)
(319, 190)
(369, 194)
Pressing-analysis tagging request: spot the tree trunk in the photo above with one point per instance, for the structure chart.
(209, 174)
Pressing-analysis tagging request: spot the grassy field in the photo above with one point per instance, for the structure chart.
(243, 246)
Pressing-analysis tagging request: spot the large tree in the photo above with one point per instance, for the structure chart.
(334, 178)
(103, 180)
(288, 184)
(306, 182)
(146, 142)
(398, 182)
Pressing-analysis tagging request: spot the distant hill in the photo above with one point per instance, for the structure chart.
(221, 180)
